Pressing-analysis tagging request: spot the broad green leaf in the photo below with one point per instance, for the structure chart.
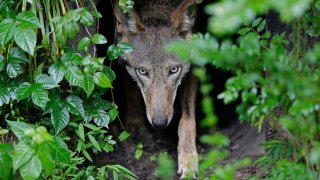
(59, 117)
(39, 96)
(261, 26)
(28, 20)
(102, 119)
(14, 69)
(2, 63)
(59, 151)
(94, 142)
(18, 128)
(16, 55)
(22, 154)
(86, 18)
(4, 95)
(39, 69)
(71, 59)
(102, 80)
(32, 169)
(83, 43)
(123, 136)
(88, 84)
(81, 132)
(56, 72)
(99, 39)
(45, 81)
(24, 90)
(256, 22)
(114, 52)
(26, 39)
(113, 113)
(74, 76)
(125, 47)
(75, 105)
(7, 30)
(44, 155)
(110, 73)
(5, 164)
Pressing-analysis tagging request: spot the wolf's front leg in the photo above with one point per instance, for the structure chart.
(187, 151)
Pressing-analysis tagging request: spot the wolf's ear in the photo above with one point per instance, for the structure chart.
(183, 17)
(127, 23)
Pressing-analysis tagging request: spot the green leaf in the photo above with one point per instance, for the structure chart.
(32, 169)
(39, 96)
(18, 128)
(123, 136)
(244, 31)
(2, 63)
(86, 18)
(86, 154)
(99, 39)
(261, 26)
(94, 142)
(7, 30)
(125, 47)
(81, 132)
(114, 52)
(102, 119)
(83, 43)
(74, 105)
(28, 20)
(256, 22)
(45, 81)
(44, 155)
(138, 154)
(113, 113)
(24, 91)
(16, 55)
(26, 39)
(71, 59)
(22, 154)
(59, 151)
(5, 164)
(59, 117)
(56, 72)
(88, 84)
(110, 73)
(14, 69)
(74, 76)
(102, 80)
(4, 95)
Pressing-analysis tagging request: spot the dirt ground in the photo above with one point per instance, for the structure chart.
(244, 143)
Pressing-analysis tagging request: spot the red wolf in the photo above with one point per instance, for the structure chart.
(149, 27)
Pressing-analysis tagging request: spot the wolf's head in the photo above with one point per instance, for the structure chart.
(149, 27)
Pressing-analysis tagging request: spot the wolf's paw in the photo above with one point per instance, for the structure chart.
(188, 165)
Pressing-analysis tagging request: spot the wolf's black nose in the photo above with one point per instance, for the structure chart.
(159, 122)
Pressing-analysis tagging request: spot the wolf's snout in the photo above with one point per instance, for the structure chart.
(159, 122)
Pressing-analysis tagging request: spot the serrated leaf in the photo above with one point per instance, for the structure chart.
(59, 117)
(125, 47)
(88, 84)
(86, 18)
(102, 80)
(71, 59)
(74, 76)
(114, 52)
(74, 105)
(123, 136)
(18, 128)
(102, 119)
(22, 154)
(45, 81)
(28, 20)
(99, 39)
(2, 63)
(83, 43)
(24, 90)
(94, 142)
(26, 39)
(7, 30)
(81, 132)
(32, 169)
(261, 26)
(56, 72)
(39, 96)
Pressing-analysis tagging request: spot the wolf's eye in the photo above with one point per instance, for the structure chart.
(142, 71)
(174, 69)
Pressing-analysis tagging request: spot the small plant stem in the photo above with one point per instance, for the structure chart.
(24, 5)
(30, 69)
